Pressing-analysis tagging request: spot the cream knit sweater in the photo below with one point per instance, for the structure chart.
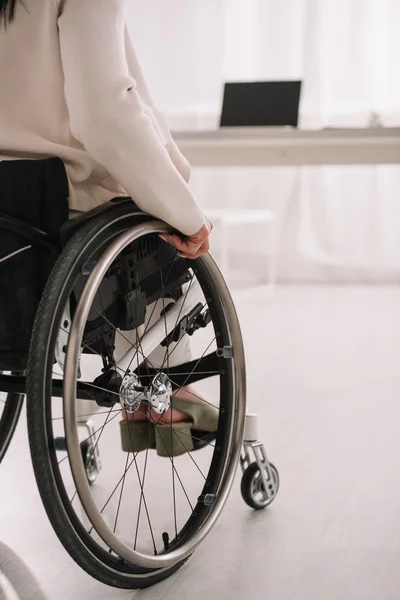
(71, 86)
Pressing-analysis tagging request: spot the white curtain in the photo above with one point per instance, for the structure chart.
(335, 223)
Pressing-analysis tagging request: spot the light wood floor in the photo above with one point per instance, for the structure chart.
(324, 377)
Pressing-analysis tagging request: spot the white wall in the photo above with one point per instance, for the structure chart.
(180, 46)
(336, 224)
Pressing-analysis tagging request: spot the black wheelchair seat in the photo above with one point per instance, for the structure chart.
(70, 227)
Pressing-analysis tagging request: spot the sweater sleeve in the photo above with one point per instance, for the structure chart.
(175, 154)
(109, 118)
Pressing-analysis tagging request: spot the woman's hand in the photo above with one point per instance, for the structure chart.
(191, 246)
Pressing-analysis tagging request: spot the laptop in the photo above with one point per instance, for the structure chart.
(261, 104)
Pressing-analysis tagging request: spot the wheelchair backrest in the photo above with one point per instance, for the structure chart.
(33, 194)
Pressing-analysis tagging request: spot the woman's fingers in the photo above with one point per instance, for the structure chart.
(191, 246)
(183, 246)
(180, 244)
(202, 250)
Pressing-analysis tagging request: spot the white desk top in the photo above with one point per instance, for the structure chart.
(237, 216)
(243, 146)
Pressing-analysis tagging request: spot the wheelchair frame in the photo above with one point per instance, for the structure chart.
(264, 477)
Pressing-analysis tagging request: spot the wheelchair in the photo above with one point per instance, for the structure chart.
(128, 518)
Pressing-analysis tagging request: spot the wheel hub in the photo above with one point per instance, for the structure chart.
(157, 394)
(131, 392)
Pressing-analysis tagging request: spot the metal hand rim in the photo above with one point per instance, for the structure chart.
(71, 429)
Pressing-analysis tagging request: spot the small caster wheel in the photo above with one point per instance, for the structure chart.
(89, 461)
(253, 490)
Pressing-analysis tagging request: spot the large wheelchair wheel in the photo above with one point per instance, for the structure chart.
(145, 514)
(10, 410)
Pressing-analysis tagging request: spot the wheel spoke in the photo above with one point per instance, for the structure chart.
(92, 452)
(195, 463)
(174, 493)
(177, 321)
(142, 496)
(120, 494)
(140, 503)
(187, 378)
(97, 440)
(90, 436)
(93, 414)
(91, 352)
(152, 312)
(142, 492)
(62, 460)
(177, 475)
(119, 331)
(199, 397)
(183, 374)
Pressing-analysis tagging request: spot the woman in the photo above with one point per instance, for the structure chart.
(72, 87)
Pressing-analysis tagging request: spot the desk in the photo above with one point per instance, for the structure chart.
(246, 146)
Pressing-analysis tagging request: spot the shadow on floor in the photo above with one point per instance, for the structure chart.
(15, 575)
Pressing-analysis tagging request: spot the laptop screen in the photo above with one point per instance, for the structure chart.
(260, 104)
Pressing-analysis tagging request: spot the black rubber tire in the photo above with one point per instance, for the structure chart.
(68, 529)
(250, 473)
(43, 458)
(9, 420)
